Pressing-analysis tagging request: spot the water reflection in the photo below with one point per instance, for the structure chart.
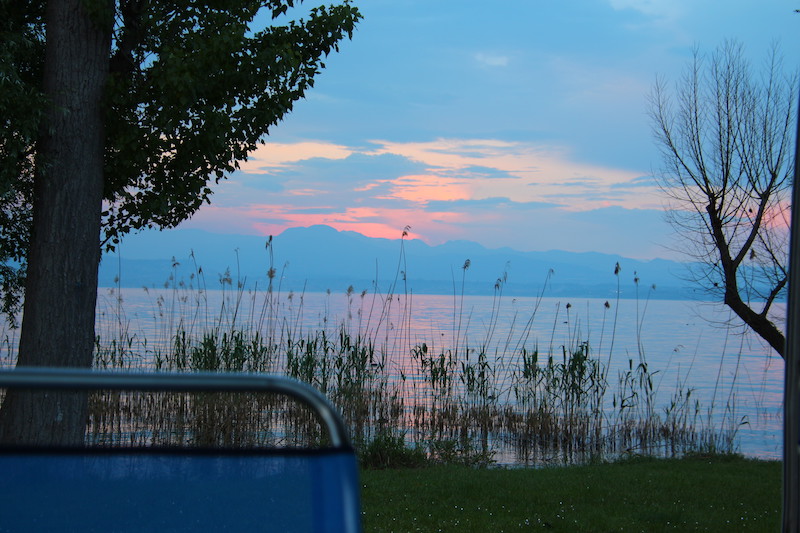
(693, 354)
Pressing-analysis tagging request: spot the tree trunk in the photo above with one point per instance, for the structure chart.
(762, 325)
(61, 288)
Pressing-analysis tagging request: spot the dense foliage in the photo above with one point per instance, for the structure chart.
(193, 87)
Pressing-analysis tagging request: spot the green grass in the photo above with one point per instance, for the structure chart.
(698, 493)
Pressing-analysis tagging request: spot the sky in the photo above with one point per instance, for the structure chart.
(521, 123)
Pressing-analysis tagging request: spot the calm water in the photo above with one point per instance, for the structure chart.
(688, 345)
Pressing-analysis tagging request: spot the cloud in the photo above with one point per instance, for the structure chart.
(501, 193)
(356, 168)
(484, 168)
(583, 183)
(327, 210)
(417, 173)
(272, 157)
(492, 60)
(483, 173)
(357, 177)
(669, 9)
(639, 182)
(488, 203)
(424, 188)
(447, 153)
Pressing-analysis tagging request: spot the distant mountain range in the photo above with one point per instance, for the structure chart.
(320, 258)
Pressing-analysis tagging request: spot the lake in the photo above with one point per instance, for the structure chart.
(734, 380)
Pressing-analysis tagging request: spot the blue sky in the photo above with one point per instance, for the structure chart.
(520, 123)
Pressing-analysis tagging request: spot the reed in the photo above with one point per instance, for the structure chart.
(467, 399)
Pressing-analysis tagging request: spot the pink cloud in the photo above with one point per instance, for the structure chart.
(548, 168)
(422, 189)
(463, 178)
(271, 157)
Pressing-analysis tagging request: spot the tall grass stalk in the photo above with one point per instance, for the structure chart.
(471, 398)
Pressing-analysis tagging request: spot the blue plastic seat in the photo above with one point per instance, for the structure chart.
(177, 488)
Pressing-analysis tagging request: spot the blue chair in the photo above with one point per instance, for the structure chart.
(157, 488)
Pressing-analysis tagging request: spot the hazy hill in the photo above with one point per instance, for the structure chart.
(318, 258)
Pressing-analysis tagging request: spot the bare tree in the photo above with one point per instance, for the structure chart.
(726, 139)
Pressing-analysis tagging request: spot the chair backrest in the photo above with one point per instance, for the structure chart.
(175, 488)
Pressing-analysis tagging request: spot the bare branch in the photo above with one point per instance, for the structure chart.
(725, 139)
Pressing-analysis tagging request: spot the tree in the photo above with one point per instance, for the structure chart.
(134, 107)
(21, 60)
(726, 140)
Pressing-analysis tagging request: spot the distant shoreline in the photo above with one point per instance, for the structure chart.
(320, 258)
(339, 286)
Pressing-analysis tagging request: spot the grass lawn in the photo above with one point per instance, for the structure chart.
(718, 493)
